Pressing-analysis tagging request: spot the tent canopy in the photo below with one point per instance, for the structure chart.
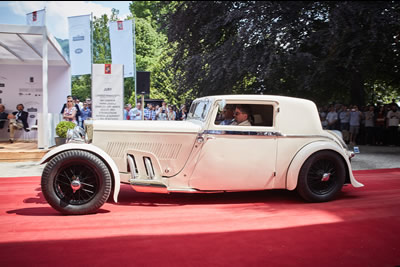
(24, 51)
(22, 44)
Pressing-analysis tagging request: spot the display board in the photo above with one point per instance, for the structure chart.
(107, 91)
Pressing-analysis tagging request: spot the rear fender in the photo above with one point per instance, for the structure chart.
(94, 150)
(306, 152)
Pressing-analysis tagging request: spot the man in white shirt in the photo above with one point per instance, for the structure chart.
(136, 113)
(242, 115)
(332, 118)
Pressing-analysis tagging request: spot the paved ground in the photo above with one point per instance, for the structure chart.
(376, 157)
(370, 157)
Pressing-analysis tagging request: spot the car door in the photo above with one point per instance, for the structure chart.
(237, 157)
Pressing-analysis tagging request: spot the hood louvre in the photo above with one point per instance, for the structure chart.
(160, 150)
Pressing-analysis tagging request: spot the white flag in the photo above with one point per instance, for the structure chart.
(121, 41)
(36, 18)
(80, 51)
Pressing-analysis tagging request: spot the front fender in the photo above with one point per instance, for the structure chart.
(305, 152)
(95, 150)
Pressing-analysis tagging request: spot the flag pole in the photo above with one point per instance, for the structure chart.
(134, 59)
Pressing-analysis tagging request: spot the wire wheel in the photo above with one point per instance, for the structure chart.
(76, 182)
(321, 177)
(315, 178)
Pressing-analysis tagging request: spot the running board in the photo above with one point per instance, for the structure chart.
(152, 186)
(148, 186)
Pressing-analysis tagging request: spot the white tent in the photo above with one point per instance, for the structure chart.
(35, 72)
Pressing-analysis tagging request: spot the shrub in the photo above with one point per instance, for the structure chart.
(63, 127)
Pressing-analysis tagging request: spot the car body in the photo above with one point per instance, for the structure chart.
(285, 148)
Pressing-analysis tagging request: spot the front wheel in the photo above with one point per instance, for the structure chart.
(321, 177)
(76, 182)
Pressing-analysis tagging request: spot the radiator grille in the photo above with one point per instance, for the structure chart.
(162, 151)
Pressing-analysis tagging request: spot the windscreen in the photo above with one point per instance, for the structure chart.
(199, 110)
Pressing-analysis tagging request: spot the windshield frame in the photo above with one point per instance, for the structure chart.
(200, 109)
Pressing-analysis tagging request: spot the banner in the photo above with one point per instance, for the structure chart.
(121, 41)
(80, 51)
(36, 18)
(107, 92)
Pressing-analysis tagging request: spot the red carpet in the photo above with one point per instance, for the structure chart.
(267, 228)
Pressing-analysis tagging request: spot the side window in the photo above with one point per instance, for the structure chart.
(260, 115)
(263, 115)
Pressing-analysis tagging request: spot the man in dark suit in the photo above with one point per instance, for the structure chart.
(18, 120)
(3, 116)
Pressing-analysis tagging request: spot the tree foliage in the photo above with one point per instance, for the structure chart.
(154, 53)
(318, 50)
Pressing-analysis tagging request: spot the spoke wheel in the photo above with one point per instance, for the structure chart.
(76, 182)
(321, 177)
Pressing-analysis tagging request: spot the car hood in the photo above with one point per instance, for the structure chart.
(146, 126)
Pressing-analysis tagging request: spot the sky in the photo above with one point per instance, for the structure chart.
(57, 12)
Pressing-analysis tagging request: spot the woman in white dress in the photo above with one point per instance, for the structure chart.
(70, 111)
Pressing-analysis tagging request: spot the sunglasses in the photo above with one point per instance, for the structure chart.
(238, 113)
(69, 101)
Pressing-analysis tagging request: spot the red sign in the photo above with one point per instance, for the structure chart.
(120, 25)
(107, 68)
(34, 15)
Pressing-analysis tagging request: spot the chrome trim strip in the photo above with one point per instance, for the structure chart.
(228, 132)
(264, 133)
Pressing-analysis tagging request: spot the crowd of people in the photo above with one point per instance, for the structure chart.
(77, 112)
(369, 125)
(165, 112)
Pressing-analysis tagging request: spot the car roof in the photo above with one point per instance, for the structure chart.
(276, 98)
(296, 115)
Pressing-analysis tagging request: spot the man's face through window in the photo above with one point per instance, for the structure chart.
(228, 113)
(240, 116)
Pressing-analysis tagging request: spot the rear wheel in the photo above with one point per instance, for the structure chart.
(76, 182)
(321, 177)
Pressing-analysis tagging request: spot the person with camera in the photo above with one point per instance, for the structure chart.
(162, 112)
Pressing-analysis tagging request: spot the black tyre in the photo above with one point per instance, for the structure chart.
(321, 177)
(76, 182)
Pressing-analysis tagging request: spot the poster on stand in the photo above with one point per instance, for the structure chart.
(121, 41)
(107, 92)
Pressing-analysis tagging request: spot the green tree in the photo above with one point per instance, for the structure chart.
(154, 53)
(319, 50)
(81, 86)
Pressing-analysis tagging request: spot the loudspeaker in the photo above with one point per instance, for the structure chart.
(143, 82)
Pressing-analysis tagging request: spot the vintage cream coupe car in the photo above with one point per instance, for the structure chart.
(284, 148)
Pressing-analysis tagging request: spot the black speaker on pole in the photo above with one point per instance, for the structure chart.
(143, 82)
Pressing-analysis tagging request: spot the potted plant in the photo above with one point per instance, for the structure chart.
(61, 131)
